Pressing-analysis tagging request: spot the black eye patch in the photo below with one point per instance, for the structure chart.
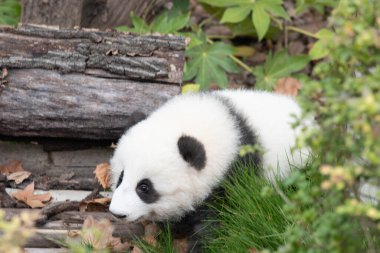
(120, 179)
(146, 192)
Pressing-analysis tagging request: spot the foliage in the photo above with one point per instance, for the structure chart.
(10, 11)
(15, 233)
(343, 95)
(261, 12)
(250, 216)
(207, 62)
(276, 66)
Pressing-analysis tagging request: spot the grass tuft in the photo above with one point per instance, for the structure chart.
(250, 216)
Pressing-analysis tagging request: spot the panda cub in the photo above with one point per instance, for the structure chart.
(167, 165)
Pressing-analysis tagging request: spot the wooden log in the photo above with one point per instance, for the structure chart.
(84, 84)
(64, 170)
(87, 13)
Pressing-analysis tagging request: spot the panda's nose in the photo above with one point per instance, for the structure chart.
(119, 216)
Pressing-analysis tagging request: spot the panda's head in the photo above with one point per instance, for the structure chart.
(158, 174)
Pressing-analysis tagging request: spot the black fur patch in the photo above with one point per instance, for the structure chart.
(192, 151)
(120, 179)
(145, 190)
(247, 136)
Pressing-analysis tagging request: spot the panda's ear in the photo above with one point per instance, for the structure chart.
(192, 151)
(135, 118)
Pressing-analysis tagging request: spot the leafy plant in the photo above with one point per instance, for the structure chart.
(15, 233)
(343, 95)
(10, 11)
(276, 66)
(167, 22)
(208, 63)
(261, 12)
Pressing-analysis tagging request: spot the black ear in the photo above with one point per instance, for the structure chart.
(135, 118)
(192, 151)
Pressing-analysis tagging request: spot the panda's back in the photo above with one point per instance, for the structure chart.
(270, 116)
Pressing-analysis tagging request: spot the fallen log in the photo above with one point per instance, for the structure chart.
(83, 84)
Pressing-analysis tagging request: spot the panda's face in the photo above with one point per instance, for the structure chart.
(162, 180)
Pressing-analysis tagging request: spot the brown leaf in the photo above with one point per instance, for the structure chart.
(151, 229)
(244, 51)
(98, 234)
(102, 173)
(252, 250)
(180, 245)
(19, 176)
(32, 200)
(4, 73)
(288, 86)
(12, 166)
(136, 250)
(95, 205)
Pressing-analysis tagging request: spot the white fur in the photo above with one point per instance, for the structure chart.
(149, 149)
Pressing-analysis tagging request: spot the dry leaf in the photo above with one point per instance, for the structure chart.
(102, 173)
(12, 166)
(95, 205)
(19, 176)
(252, 250)
(244, 51)
(151, 229)
(32, 200)
(136, 250)
(98, 234)
(150, 239)
(288, 86)
(4, 73)
(180, 245)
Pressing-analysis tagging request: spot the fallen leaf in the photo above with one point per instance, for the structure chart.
(98, 234)
(136, 250)
(12, 166)
(244, 51)
(180, 245)
(151, 229)
(287, 86)
(32, 200)
(151, 240)
(95, 205)
(102, 173)
(4, 73)
(19, 176)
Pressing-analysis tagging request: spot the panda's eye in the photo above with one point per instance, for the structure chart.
(143, 188)
(146, 191)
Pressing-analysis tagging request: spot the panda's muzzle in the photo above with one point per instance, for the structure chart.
(118, 215)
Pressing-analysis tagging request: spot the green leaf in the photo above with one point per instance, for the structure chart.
(226, 3)
(261, 20)
(235, 14)
(277, 10)
(208, 63)
(190, 88)
(139, 25)
(277, 66)
(319, 49)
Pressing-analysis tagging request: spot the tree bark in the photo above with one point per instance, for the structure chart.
(101, 14)
(83, 84)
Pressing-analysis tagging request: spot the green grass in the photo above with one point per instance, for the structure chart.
(250, 216)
